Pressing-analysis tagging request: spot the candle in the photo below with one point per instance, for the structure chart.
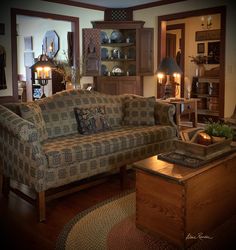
(46, 72)
(160, 77)
(204, 139)
(39, 72)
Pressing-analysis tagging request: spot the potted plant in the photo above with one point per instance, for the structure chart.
(219, 131)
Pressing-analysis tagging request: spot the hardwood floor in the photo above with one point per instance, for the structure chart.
(19, 228)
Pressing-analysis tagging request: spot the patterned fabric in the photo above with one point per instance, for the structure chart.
(32, 112)
(91, 120)
(58, 161)
(139, 111)
(76, 148)
(164, 113)
(58, 110)
(22, 158)
(17, 126)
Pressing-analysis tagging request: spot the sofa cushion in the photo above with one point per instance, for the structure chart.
(139, 111)
(58, 110)
(32, 112)
(91, 120)
(69, 149)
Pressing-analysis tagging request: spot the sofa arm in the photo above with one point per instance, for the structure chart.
(164, 113)
(17, 126)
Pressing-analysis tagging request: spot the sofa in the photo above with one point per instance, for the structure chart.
(41, 147)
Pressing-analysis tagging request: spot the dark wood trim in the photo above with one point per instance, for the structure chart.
(215, 10)
(14, 13)
(155, 4)
(78, 4)
(180, 26)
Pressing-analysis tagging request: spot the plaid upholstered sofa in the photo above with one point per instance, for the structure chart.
(40, 145)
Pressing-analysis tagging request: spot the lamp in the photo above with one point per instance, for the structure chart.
(42, 69)
(168, 67)
(208, 23)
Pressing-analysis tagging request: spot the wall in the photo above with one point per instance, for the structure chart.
(150, 16)
(85, 17)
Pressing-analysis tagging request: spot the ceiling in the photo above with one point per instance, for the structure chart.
(116, 3)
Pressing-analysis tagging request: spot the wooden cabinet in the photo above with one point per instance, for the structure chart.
(123, 52)
(207, 90)
(119, 85)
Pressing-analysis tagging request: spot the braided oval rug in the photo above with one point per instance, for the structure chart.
(111, 225)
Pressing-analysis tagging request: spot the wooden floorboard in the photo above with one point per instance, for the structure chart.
(19, 228)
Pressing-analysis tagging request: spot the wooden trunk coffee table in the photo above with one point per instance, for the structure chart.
(175, 201)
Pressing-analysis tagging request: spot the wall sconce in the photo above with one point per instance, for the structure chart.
(43, 71)
(206, 24)
(168, 67)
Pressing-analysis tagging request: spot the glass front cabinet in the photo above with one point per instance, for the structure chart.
(118, 55)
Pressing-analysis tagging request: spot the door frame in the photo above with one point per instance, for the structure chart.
(14, 12)
(180, 26)
(162, 26)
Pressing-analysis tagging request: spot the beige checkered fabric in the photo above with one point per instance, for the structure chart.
(66, 155)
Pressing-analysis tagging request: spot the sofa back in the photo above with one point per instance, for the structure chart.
(58, 110)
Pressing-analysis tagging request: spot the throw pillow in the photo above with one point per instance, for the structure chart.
(33, 113)
(139, 111)
(91, 120)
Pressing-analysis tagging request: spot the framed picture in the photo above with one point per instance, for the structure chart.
(28, 42)
(207, 35)
(213, 52)
(200, 48)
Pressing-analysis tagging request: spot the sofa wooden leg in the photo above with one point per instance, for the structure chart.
(5, 186)
(123, 177)
(41, 206)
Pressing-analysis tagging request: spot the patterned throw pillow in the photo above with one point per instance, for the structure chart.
(91, 120)
(139, 111)
(33, 113)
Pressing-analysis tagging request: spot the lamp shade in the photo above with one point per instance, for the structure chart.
(168, 66)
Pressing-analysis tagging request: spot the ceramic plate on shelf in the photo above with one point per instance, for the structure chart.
(104, 53)
(117, 37)
(117, 71)
(104, 70)
(104, 37)
(116, 54)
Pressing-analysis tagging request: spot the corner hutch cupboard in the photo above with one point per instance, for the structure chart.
(118, 54)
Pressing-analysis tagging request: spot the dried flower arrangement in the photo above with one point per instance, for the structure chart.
(70, 73)
(199, 59)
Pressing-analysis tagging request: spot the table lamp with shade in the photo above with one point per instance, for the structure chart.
(43, 71)
(168, 67)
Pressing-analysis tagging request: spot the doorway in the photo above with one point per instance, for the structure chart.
(164, 21)
(49, 16)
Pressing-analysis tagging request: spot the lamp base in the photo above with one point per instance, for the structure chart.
(168, 91)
